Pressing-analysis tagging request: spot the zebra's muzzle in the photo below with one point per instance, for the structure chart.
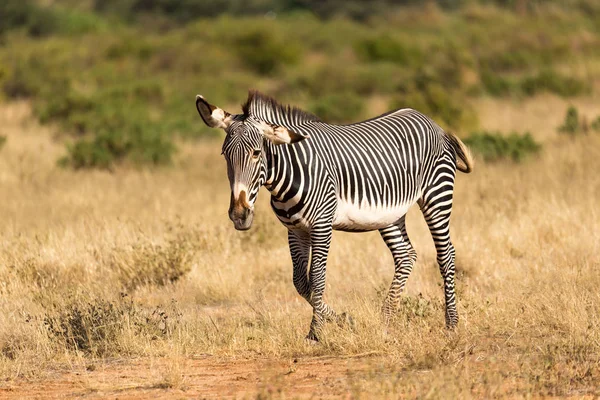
(243, 224)
(240, 214)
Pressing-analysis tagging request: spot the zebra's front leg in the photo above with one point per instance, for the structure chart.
(320, 238)
(299, 242)
(405, 256)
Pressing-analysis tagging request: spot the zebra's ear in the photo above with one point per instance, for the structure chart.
(280, 135)
(212, 116)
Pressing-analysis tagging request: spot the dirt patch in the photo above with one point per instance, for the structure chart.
(204, 377)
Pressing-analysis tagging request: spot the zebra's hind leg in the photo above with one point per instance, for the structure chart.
(436, 206)
(405, 256)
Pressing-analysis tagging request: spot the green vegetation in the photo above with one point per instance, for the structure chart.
(574, 124)
(119, 76)
(339, 108)
(2, 141)
(494, 146)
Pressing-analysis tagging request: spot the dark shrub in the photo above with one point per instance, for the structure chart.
(495, 84)
(493, 146)
(385, 48)
(551, 81)
(437, 103)
(572, 125)
(139, 144)
(339, 108)
(263, 52)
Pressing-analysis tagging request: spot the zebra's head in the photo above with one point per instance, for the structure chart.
(246, 151)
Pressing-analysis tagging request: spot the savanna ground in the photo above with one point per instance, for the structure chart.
(134, 284)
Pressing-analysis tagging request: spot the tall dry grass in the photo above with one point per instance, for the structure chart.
(146, 264)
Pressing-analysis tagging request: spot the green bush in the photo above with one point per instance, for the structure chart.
(551, 81)
(139, 144)
(385, 48)
(493, 146)
(495, 84)
(438, 103)
(41, 21)
(264, 53)
(2, 141)
(572, 125)
(339, 108)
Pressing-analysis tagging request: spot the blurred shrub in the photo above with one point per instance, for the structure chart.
(2, 141)
(385, 48)
(15, 14)
(495, 84)
(344, 107)
(43, 21)
(493, 146)
(571, 125)
(263, 52)
(139, 144)
(574, 124)
(130, 47)
(551, 81)
(439, 104)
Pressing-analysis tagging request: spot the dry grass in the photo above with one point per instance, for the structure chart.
(146, 265)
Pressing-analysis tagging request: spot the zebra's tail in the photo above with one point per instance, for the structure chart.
(464, 159)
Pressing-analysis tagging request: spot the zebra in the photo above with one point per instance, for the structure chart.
(356, 178)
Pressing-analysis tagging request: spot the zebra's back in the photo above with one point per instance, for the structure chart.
(379, 166)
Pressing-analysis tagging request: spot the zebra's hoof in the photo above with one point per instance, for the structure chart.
(311, 339)
(451, 325)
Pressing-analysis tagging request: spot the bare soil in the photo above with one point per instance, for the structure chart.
(203, 377)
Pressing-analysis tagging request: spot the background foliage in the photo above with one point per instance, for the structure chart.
(118, 76)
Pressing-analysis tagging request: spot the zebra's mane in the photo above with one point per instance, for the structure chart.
(257, 102)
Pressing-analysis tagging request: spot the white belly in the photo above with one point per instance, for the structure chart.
(366, 217)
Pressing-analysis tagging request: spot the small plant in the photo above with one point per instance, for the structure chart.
(96, 326)
(493, 146)
(147, 263)
(2, 141)
(574, 124)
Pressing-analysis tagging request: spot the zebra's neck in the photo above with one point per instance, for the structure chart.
(279, 167)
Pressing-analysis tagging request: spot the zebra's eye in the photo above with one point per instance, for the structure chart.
(256, 154)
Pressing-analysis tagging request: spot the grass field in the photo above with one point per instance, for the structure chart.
(135, 284)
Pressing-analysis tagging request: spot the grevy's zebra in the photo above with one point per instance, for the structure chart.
(358, 177)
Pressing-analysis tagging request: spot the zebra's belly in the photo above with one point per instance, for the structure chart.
(366, 217)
